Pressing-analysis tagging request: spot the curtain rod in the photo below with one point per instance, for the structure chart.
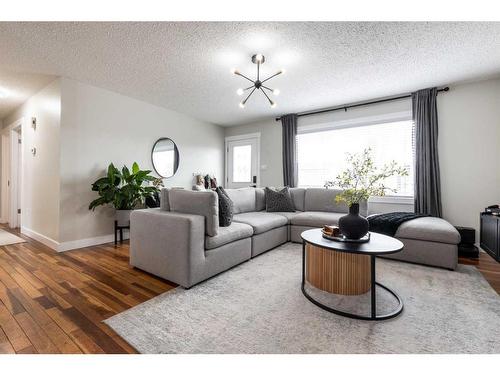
(345, 107)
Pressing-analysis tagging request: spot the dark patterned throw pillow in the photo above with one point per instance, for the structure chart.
(279, 201)
(225, 208)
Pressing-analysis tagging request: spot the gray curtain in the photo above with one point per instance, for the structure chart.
(427, 176)
(289, 134)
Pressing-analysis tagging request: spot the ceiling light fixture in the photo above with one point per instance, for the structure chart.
(258, 59)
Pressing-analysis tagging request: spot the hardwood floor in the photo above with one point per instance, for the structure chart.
(55, 302)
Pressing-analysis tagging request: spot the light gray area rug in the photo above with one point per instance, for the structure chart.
(258, 307)
(7, 238)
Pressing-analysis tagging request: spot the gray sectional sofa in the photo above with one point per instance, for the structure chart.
(183, 243)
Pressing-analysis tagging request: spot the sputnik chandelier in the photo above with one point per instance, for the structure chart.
(258, 84)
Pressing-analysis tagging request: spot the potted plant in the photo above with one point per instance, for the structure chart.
(358, 182)
(125, 190)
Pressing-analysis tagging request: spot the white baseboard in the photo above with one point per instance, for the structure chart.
(40, 238)
(70, 245)
(86, 242)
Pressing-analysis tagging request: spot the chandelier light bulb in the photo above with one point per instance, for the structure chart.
(234, 71)
(276, 92)
(258, 57)
(239, 92)
(282, 71)
(242, 105)
(273, 104)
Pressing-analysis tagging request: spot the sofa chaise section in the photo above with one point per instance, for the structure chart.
(428, 240)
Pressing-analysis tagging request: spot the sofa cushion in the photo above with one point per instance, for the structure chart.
(225, 207)
(316, 218)
(261, 221)
(243, 199)
(203, 203)
(318, 199)
(288, 215)
(298, 197)
(429, 229)
(279, 201)
(164, 205)
(260, 199)
(234, 232)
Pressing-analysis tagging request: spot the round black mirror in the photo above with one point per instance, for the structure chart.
(165, 157)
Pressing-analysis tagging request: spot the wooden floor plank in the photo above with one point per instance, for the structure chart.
(86, 343)
(29, 350)
(12, 330)
(5, 345)
(8, 299)
(36, 334)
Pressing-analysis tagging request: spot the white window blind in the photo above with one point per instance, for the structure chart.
(321, 153)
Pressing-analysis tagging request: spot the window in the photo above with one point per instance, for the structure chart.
(242, 163)
(321, 155)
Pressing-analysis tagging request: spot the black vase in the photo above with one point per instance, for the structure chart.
(353, 226)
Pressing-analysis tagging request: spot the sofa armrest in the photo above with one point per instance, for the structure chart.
(167, 244)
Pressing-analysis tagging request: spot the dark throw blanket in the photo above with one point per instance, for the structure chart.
(389, 223)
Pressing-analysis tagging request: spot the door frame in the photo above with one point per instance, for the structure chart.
(5, 177)
(241, 137)
(10, 189)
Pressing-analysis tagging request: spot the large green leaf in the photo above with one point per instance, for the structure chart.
(97, 202)
(125, 173)
(135, 168)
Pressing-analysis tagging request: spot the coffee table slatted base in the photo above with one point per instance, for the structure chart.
(337, 272)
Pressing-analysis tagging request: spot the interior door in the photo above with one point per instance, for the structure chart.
(242, 162)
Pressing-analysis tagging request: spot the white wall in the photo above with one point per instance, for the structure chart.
(99, 127)
(40, 190)
(469, 150)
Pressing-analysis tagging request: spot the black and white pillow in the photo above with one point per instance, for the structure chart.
(225, 208)
(279, 201)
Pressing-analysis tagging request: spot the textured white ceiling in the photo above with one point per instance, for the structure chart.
(186, 66)
(16, 88)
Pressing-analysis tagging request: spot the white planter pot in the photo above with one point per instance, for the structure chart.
(123, 217)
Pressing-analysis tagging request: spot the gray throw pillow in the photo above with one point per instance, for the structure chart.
(225, 208)
(279, 201)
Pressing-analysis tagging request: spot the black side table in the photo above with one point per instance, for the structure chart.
(120, 228)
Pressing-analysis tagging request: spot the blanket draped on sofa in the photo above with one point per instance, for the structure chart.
(389, 223)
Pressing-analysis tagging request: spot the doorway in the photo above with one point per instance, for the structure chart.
(243, 160)
(12, 174)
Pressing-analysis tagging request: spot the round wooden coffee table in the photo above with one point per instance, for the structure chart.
(346, 268)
